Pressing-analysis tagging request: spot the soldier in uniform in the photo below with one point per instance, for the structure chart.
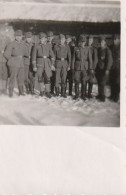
(115, 70)
(69, 73)
(62, 65)
(3, 72)
(50, 37)
(81, 63)
(103, 68)
(27, 62)
(14, 54)
(94, 55)
(42, 60)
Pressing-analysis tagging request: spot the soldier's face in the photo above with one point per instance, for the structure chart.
(28, 40)
(68, 40)
(82, 44)
(18, 38)
(62, 41)
(43, 40)
(90, 42)
(49, 39)
(103, 43)
(116, 41)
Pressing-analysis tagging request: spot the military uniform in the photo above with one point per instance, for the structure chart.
(115, 73)
(27, 65)
(92, 78)
(63, 62)
(14, 54)
(81, 64)
(3, 72)
(104, 64)
(41, 55)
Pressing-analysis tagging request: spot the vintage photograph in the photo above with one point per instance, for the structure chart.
(60, 63)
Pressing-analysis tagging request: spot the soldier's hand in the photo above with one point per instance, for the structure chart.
(107, 72)
(68, 68)
(92, 72)
(35, 69)
(53, 68)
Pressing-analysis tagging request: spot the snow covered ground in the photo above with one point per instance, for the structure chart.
(31, 110)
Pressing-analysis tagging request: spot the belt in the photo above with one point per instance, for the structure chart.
(61, 59)
(17, 56)
(27, 57)
(43, 57)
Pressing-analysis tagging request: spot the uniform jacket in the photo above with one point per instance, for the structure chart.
(82, 59)
(14, 54)
(94, 55)
(105, 59)
(62, 51)
(42, 55)
(27, 53)
(116, 57)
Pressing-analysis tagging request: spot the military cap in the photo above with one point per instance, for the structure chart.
(18, 33)
(68, 36)
(102, 38)
(61, 36)
(49, 34)
(82, 38)
(28, 34)
(116, 36)
(41, 35)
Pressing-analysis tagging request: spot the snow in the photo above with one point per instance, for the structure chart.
(35, 110)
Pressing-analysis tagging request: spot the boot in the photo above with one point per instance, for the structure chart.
(90, 90)
(70, 88)
(48, 95)
(21, 91)
(57, 91)
(76, 91)
(10, 92)
(83, 92)
(63, 91)
(27, 89)
(41, 93)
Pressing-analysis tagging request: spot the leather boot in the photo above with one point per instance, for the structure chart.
(57, 91)
(10, 92)
(41, 93)
(76, 91)
(48, 95)
(90, 90)
(27, 88)
(63, 91)
(21, 92)
(83, 92)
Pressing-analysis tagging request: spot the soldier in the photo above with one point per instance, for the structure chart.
(94, 55)
(14, 54)
(50, 37)
(103, 68)
(81, 63)
(62, 64)
(115, 70)
(69, 73)
(42, 60)
(27, 62)
(3, 72)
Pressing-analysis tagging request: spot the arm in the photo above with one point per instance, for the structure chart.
(109, 59)
(90, 60)
(8, 51)
(73, 60)
(51, 54)
(95, 58)
(69, 56)
(33, 57)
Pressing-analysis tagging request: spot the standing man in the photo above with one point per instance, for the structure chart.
(81, 63)
(3, 72)
(103, 68)
(50, 37)
(69, 73)
(42, 60)
(62, 65)
(115, 70)
(14, 54)
(94, 56)
(27, 62)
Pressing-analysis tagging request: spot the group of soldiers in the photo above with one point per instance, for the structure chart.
(56, 65)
